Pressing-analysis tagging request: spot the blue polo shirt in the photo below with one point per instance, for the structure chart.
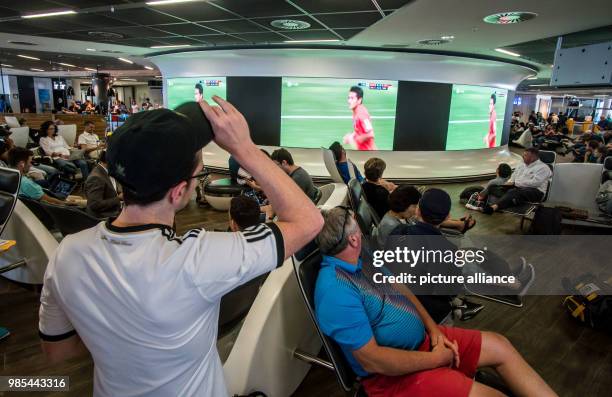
(351, 309)
(345, 174)
(30, 189)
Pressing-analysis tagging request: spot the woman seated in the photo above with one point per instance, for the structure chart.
(55, 146)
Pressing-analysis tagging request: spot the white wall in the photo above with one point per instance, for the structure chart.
(43, 83)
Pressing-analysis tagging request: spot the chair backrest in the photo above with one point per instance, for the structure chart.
(548, 157)
(12, 121)
(39, 211)
(20, 136)
(307, 271)
(576, 185)
(10, 180)
(236, 303)
(355, 193)
(608, 163)
(366, 218)
(606, 175)
(330, 164)
(68, 132)
(69, 220)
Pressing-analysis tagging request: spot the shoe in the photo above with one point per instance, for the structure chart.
(468, 310)
(488, 210)
(472, 207)
(4, 333)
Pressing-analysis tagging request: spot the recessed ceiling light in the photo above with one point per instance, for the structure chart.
(312, 41)
(66, 64)
(28, 57)
(506, 18)
(447, 37)
(5, 65)
(49, 14)
(538, 85)
(290, 24)
(125, 60)
(90, 49)
(148, 67)
(164, 2)
(158, 77)
(171, 46)
(514, 54)
(37, 70)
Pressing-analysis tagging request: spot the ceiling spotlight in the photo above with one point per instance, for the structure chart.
(125, 60)
(312, 41)
(148, 67)
(28, 57)
(171, 46)
(506, 18)
(66, 64)
(290, 24)
(514, 54)
(49, 14)
(37, 70)
(164, 2)
(91, 49)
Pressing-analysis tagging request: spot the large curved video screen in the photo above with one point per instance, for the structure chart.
(476, 118)
(360, 113)
(184, 89)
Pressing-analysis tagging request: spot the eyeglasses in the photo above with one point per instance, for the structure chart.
(201, 174)
(347, 216)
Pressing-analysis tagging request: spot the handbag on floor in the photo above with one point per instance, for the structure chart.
(591, 304)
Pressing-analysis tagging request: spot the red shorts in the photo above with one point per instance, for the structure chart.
(438, 382)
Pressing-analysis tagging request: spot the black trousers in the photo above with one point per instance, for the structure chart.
(518, 196)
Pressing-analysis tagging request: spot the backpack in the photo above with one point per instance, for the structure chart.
(592, 302)
(468, 192)
(546, 221)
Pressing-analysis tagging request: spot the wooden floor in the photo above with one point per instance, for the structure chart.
(575, 360)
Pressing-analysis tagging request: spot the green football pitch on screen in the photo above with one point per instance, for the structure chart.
(315, 111)
(182, 89)
(468, 123)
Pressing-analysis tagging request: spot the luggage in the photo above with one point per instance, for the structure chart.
(592, 302)
(546, 221)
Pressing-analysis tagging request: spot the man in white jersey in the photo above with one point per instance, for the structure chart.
(143, 301)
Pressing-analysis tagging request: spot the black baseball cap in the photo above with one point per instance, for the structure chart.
(154, 150)
(435, 205)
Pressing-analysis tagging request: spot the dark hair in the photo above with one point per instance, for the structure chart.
(199, 88)
(244, 211)
(281, 155)
(18, 154)
(336, 149)
(89, 122)
(494, 97)
(358, 91)
(403, 197)
(534, 151)
(593, 144)
(44, 127)
(3, 147)
(374, 169)
(131, 197)
(102, 156)
(504, 170)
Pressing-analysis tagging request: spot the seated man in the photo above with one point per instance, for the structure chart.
(101, 190)
(283, 158)
(431, 213)
(402, 207)
(528, 183)
(21, 159)
(244, 212)
(389, 338)
(375, 188)
(478, 200)
(89, 141)
(342, 163)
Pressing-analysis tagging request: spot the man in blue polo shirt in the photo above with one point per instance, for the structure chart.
(21, 159)
(390, 340)
(343, 163)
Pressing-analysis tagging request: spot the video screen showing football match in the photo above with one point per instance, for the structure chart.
(360, 114)
(476, 117)
(184, 89)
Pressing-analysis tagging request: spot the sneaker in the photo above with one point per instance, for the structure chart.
(472, 207)
(468, 310)
(4, 333)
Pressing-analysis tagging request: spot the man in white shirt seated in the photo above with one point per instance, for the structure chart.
(528, 183)
(89, 141)
(144, 301)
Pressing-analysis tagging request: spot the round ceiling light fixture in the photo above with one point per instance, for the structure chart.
(510, 17)
(290, 24)
(433, 41)
(105, 35)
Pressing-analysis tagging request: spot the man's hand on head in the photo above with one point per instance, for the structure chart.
(229, 126)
